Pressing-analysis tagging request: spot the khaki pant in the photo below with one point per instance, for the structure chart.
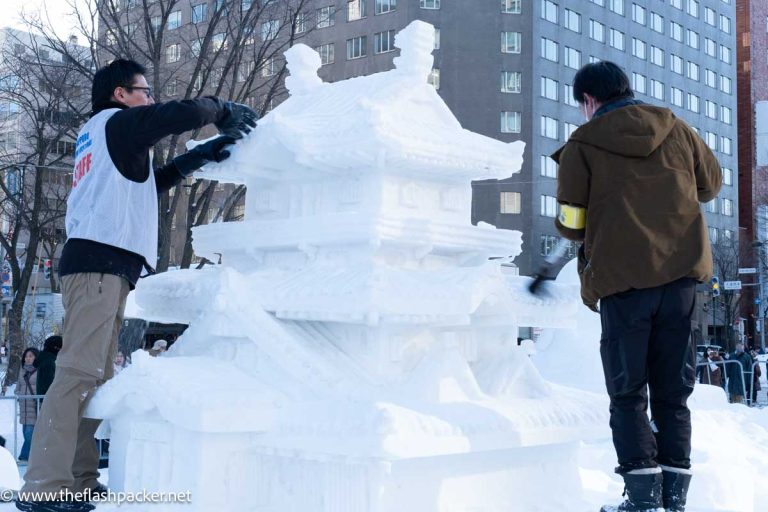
(64, 453)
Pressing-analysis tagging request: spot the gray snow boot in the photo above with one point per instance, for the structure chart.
(642, 487)
(675, 488)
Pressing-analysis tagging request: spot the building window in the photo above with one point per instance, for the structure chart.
(270, 29)
(725, 84)
(437, 38)
(326, 16)
(677, 97)
(676, 31)
(174, 20)
(549, 88)
(693, 8)
(693, 71)
(568, 96)
(434, 78)
(727, 176)
(727, 207)
(549, 11)
(725, 24)
(173, 53)
(638, 48)
(199, 13)
(172, 87)
(677, 4)
(725, 114)
(709, 16)
(510, 42)
(657, 22)
(548, 167)
(357, 47)
(657, 89)
(511, 81)
(549, 127)
(572, 21)
(510, 203)
(617, 39)
(617, 6)
(597, 31)
(301, 22)
(568, 129)
(355, 10)
(384, 6)
(710, 109)
(725, 54)
(549, 242)
(269, 68)
(638, 14)
(710, 47)
(572, 58)
(692, 39)
(511, 6)
(384, 42)
(601, 3)
(549, 49)
(510, 122)
(710, 78)
(429, 4)
(711, 140)
(548, 206)
(219, 41)
(639, 83)
(657, 56)
(725, 146)
(693, 103)
(713, 235)
(327, 53)
(712, 206)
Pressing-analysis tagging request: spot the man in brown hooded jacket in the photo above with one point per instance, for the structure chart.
(630, 184)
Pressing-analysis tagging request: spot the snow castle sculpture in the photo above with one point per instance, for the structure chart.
(356, 351)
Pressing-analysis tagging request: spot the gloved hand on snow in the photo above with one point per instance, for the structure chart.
(212, 151)
(238, 121)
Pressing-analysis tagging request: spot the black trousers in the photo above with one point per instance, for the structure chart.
(647, 350)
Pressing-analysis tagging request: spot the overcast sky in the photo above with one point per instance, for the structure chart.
(58, 11)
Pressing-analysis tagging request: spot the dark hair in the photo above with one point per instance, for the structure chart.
(29, 349)
(119, 73)
(605, 81)
(53, 344)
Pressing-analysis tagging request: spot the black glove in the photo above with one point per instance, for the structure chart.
(212, 151)
(238, 120)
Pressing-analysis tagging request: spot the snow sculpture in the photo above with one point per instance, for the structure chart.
(356, 351)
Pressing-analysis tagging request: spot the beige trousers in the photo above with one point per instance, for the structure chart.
(64, 453)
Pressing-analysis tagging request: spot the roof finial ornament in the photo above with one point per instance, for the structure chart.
(416, 43)
(303, 63)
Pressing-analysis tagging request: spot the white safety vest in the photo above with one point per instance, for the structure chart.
(103, 205)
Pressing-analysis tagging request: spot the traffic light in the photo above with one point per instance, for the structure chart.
(47, 268)
(715, 287)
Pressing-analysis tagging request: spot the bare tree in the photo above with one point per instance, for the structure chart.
(43, 90)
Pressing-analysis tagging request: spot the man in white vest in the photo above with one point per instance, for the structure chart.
(111, 224)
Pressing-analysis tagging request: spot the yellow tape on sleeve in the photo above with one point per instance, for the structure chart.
(572, 217)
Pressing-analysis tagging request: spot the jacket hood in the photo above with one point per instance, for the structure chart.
(632, 131)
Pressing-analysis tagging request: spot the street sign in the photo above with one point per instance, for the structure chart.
(732, 285)
(748, 270)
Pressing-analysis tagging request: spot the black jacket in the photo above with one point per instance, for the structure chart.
(131, 134)
(46, 368)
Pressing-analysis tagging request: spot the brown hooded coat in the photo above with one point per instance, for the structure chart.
(641, 173)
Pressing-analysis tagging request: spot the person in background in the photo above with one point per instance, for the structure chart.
(735, 372)
(46, 363)
(755, 373)
(121, 362)
(712, 371)
(27, 385)
(630, 186)
(158, 348)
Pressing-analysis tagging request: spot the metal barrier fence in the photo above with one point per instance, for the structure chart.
(747, 379)
(13, 445)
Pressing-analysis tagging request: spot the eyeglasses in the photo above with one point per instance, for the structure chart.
(147, 90)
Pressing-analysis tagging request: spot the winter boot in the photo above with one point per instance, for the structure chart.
(642, 487)
(675, 488)
(53, 506)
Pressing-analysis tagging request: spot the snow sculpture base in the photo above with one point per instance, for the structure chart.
(357, 350)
